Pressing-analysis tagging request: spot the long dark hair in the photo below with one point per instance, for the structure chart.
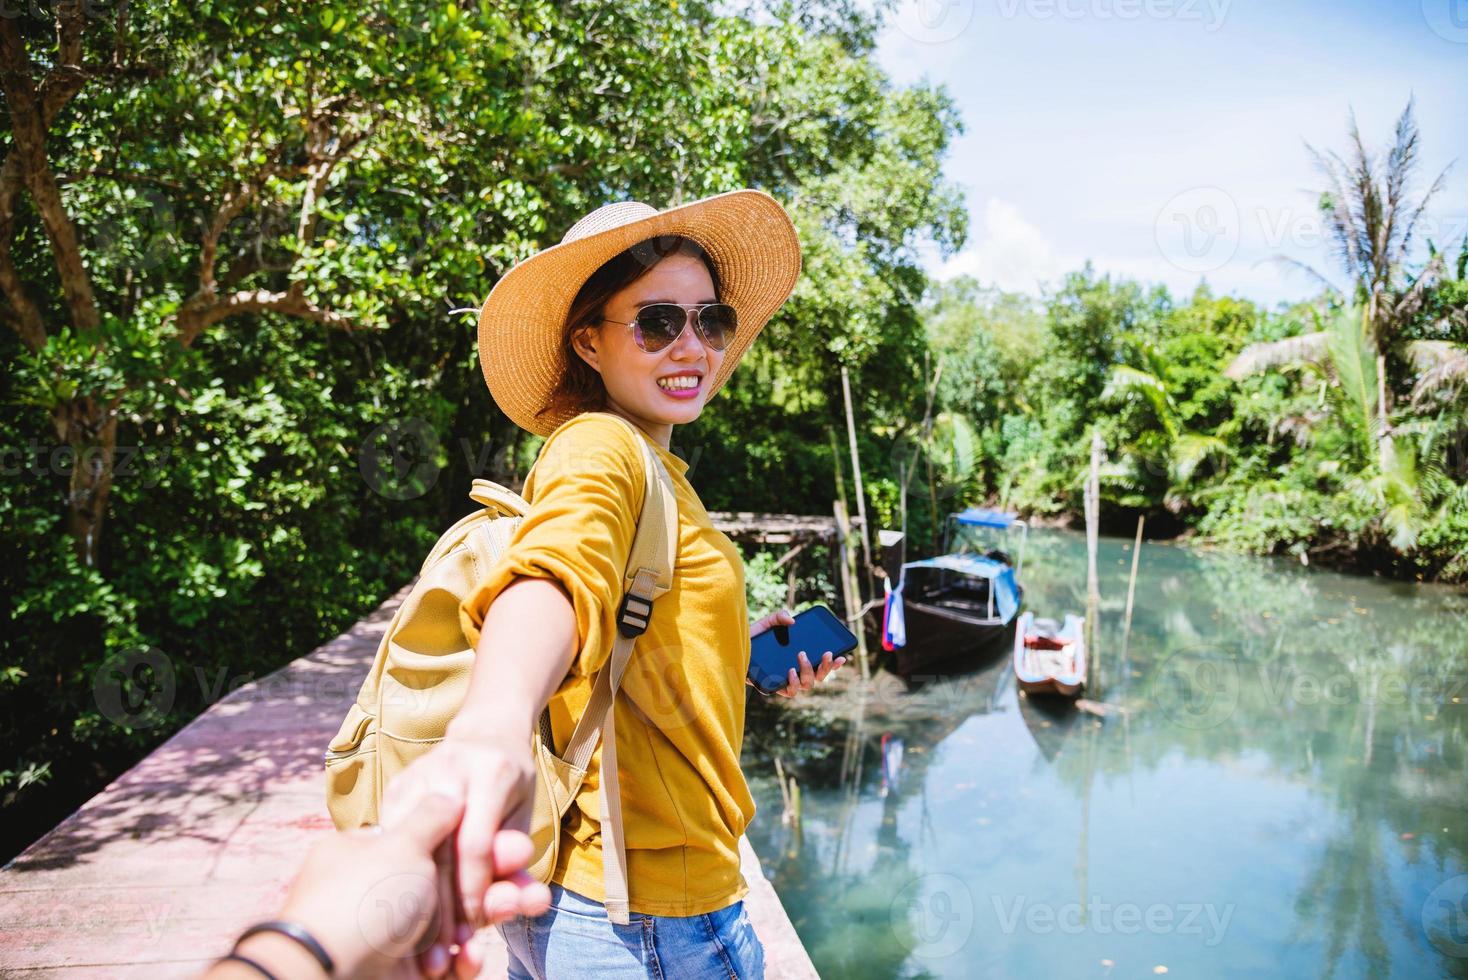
(581, 388)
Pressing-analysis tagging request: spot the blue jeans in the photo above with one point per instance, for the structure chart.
(574, 938)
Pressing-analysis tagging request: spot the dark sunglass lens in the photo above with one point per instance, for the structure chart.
(660, 325)
(719, 324)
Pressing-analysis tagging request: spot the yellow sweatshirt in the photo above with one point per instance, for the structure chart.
(680, 711)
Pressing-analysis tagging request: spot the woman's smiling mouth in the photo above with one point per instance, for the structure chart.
(681, 385)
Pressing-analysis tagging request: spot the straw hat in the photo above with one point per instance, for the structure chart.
(746, 233)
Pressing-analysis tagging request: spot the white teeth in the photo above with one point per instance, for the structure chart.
(678, 383)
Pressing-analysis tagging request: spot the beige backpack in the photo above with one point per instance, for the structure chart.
(420, 676)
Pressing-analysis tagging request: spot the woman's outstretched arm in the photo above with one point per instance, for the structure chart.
(523, 652)
(543, 615)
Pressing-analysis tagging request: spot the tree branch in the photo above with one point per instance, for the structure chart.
(29, 149)
(192, 322)
(58, 88)
(235, 201)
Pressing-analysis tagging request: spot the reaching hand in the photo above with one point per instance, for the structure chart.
(483, 878)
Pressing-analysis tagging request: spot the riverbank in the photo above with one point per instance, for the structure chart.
(155, 875)
(1365, 559)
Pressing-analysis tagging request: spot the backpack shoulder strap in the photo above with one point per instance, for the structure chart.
(649, 574)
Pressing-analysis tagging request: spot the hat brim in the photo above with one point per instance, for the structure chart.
(746, 233)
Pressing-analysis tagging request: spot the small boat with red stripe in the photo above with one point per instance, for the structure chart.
(1050, 657)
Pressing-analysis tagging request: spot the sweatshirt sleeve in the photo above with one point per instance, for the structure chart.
(585, 494)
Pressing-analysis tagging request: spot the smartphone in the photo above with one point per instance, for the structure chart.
(775, 651)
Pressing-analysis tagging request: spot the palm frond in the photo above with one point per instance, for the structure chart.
(1125, 379)
(1353, 355)
(1192, 449)
(1442, 367)
(1312, 348)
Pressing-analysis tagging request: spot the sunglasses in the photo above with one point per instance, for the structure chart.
(659, 324)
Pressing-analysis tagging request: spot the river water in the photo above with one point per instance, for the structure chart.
(1278, 788)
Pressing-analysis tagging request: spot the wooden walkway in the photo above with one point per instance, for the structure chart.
(153, 877)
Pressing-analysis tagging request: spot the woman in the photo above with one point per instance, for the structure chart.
(644, 315)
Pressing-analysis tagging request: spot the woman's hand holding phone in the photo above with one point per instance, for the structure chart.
(808, 676)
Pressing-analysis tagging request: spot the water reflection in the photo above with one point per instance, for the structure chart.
(1279, 789)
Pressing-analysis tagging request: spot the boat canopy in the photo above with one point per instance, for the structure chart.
(1004, 590)
(984, 517)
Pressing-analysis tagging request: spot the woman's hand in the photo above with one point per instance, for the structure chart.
(809, 676)
(482, 868)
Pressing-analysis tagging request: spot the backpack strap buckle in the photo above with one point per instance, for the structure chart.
(635, 611)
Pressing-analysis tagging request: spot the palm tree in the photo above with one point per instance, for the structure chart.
(1371, 225)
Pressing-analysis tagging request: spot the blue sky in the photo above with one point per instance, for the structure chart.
(1165, 139)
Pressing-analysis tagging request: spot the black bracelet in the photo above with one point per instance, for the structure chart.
(249, 962)
(293, 931)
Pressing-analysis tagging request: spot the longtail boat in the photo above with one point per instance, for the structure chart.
(951, 609)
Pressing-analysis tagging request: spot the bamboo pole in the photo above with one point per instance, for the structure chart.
(1131, 591)
(1093, 587)
(861, 500)
(850, 595)
(836, 463)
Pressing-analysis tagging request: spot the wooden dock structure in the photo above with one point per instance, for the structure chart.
(154, 877)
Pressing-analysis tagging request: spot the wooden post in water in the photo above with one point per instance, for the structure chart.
(1131, 591)
(1093, 588)
(861, 500)
(850, 595)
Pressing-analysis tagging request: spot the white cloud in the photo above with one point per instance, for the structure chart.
(1008, 252)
